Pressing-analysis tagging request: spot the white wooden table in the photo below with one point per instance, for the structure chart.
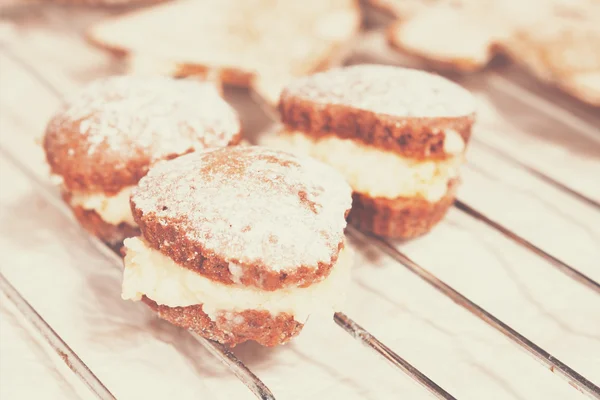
(533, 167)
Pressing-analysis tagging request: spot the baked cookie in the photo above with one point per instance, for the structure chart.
(557, 40)
(397, 135)
(563, 50)
(242, 40)
(239, 243)
(460, 35)
(106, 137)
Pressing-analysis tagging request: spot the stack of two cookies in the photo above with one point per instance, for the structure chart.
(397, 135)
(239, 244)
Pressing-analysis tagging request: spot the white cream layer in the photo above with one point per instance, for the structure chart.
(379, 173)
(112, 209)
(148, 272)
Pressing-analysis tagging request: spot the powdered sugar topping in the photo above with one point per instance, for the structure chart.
(154, 116)
(387, 90)
(250, 205)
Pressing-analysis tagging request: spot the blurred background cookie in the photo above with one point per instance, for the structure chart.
(262, 41)
(238, 244)
(556, 40)
(397, 135)
(450, 35)
(563, 50)
(106, 137)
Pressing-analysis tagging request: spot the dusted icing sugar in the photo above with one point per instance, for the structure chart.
(250, 205)
(388, 90)
(154, 116)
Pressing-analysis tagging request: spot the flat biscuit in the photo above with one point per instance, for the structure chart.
(461, 36)
(262, 41)
(557, 41)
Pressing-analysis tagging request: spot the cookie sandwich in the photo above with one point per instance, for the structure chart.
(106, 137)
(397, 135)
(240, 243)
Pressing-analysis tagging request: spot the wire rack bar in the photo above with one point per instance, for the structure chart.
(69, 357)
(541, 104)
(236, 366)
(363, 336)
(537, 173)
(573, 377)
(561, 265)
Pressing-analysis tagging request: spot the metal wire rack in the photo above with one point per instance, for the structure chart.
(362, 335)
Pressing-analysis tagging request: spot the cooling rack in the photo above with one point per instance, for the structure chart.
(497, 168)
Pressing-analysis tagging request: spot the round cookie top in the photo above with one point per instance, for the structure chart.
(387, 90)
(401, 110)
(106, 136)
(246, 215)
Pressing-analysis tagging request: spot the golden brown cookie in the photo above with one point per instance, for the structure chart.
(249, 233)
(401, 110)
(106, 137)
(397, 135)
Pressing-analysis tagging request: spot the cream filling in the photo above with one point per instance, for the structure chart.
(112, 209)
(148, 272)
(378, 173)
